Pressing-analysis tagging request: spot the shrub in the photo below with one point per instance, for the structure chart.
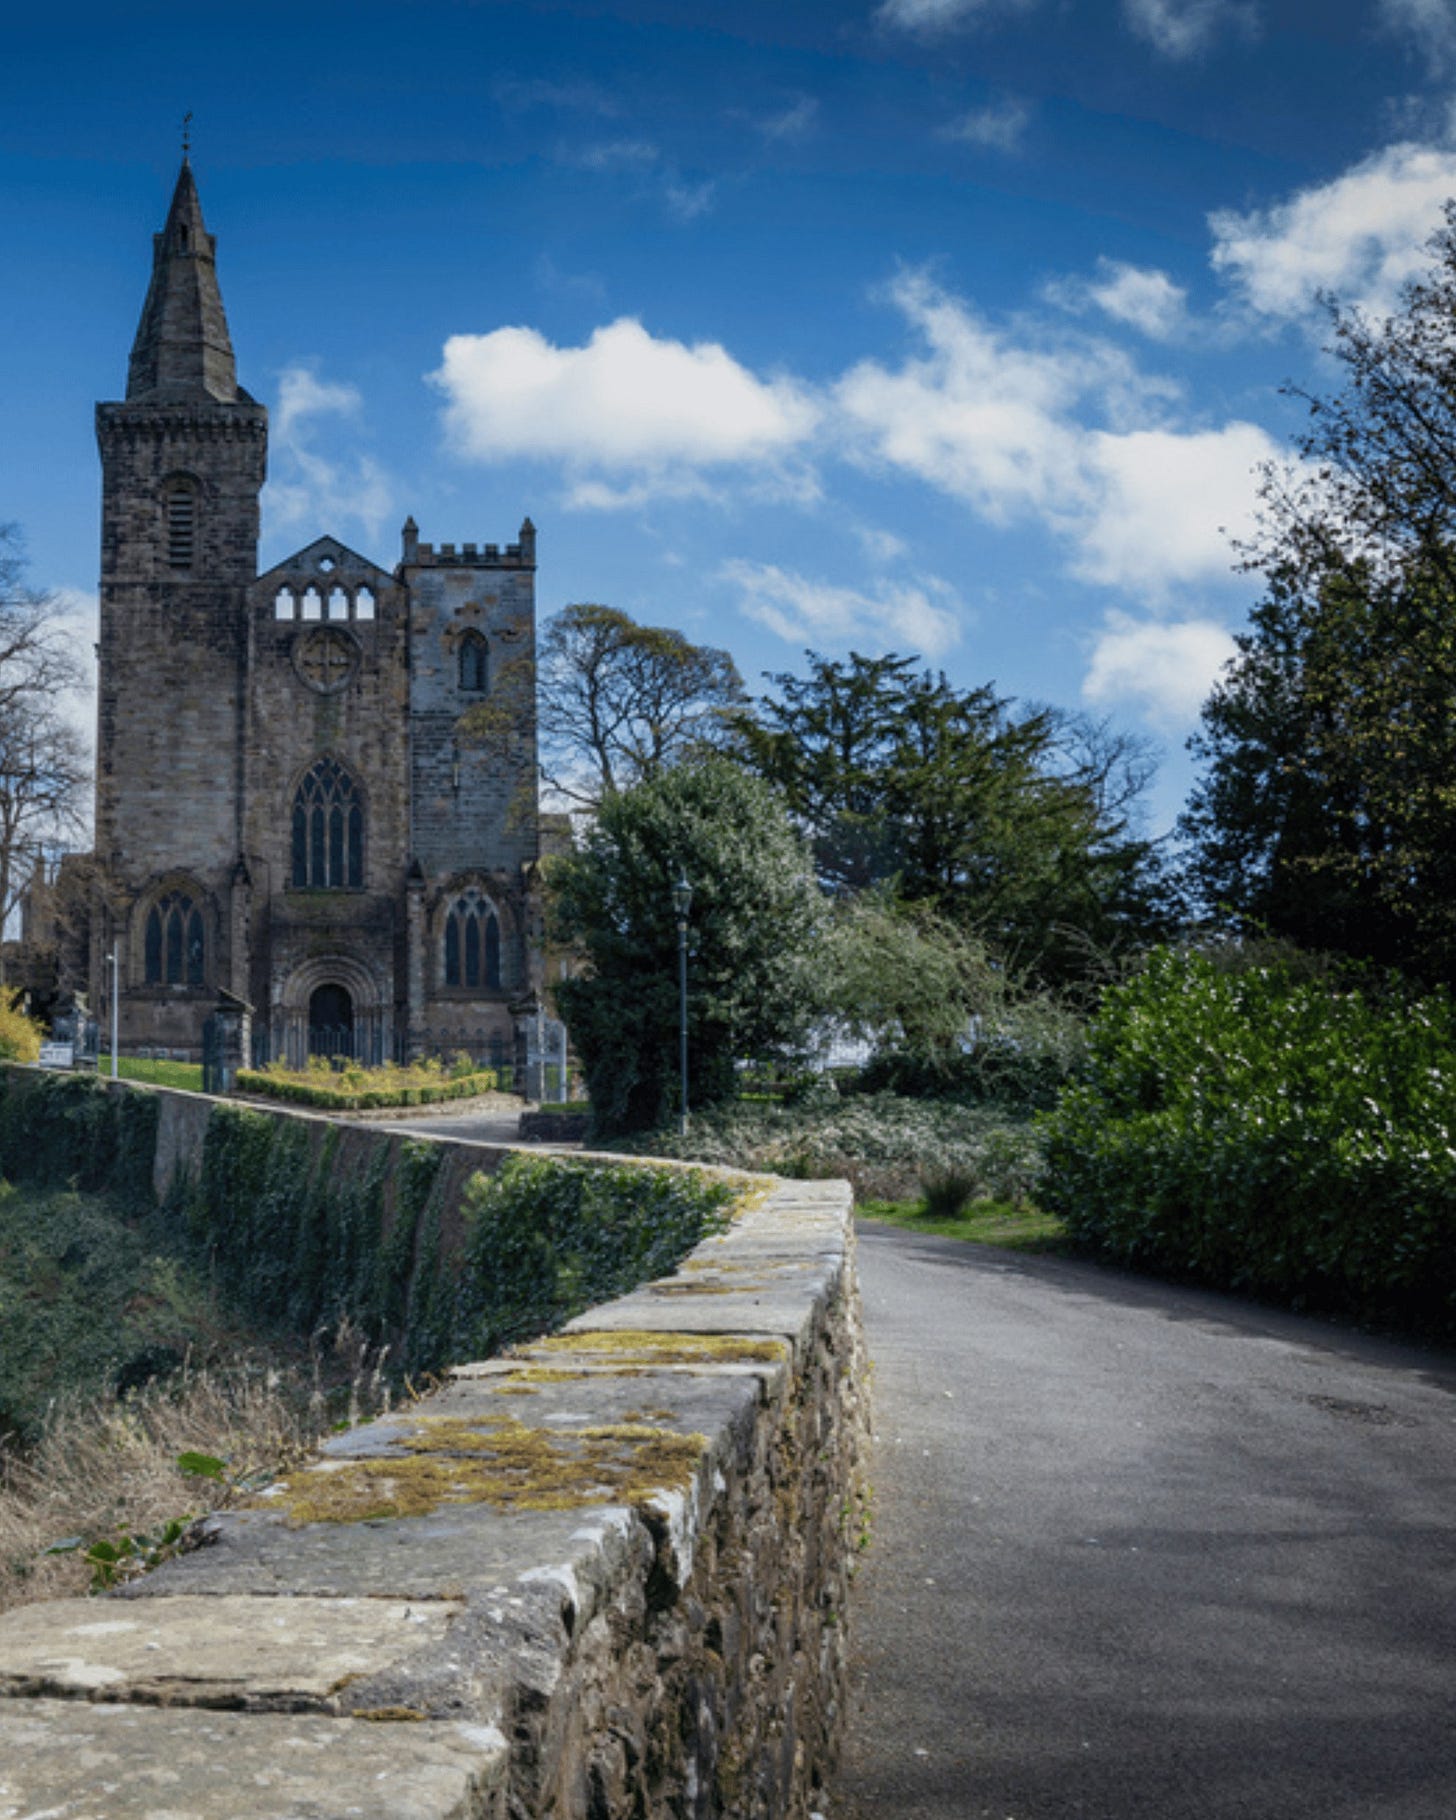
(881, 1142)
(357, 1089)
(19, 1035)
(948, 1191)
(1285, 1135)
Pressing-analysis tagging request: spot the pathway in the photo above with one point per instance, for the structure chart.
(1146, 1552)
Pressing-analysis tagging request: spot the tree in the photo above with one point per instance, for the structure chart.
(1327, 807)
(43, 762)
(620, 702)
(1013, 825)
(754, 913)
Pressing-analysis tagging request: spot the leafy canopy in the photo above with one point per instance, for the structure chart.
(752, 924)
(1327, 807)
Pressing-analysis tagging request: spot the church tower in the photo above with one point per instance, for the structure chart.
(183, 461)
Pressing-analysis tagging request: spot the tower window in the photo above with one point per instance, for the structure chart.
(181, 525)
(175, 943)
(473, 664)
(328, 830)
(472, 942)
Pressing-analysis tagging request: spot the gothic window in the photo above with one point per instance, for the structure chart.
(473, 667)
(364, 604)
(284, 605)
(180, 524)
(338, 604)
(472, 942)
(313, 604)
(328, 830)
(175, 943)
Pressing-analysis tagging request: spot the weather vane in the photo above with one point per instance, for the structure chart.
(187, 133)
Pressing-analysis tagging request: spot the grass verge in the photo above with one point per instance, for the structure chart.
(1010, 1225)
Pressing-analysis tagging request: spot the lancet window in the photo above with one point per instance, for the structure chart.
(474, 664)
(175, 942)
(328, 830)
(472, 942)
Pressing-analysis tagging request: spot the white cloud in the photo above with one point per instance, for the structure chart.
(612, 155)
(923, 617)
(1145, 299)
(640, 158)
(797, 121)
(689, 200)
(1000, 126)
(306, 487)
(1167, 503)
(628, 414)
(881, 546)
(1163, 669)
(1362, 235)
(1065, 434)
(928, 17)
(1180, 29)
(1430, 25)
(81, 609)
(975, 415)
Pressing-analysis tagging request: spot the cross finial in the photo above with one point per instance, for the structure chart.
(187, 133)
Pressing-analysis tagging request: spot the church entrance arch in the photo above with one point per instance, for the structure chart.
(331, 1020)
(334, 1005)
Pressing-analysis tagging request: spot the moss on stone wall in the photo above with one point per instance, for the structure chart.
(308, 1224)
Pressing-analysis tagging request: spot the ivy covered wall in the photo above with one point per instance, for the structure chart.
(442, 1252)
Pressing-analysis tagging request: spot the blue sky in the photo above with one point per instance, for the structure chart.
(945, 326)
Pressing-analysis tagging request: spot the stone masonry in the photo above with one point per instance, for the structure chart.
(678, 1651)
(291, 805)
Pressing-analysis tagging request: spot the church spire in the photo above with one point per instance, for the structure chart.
(182, 350)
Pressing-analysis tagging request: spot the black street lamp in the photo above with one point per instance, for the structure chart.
(682, 899)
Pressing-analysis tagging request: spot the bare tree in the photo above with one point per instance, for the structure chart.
(620, 703)
(44, 766)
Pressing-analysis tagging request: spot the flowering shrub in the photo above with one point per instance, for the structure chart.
(1292, 1136)
(882, 1142)
(19, 1035)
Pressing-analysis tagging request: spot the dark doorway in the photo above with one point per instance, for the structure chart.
(331, 1022)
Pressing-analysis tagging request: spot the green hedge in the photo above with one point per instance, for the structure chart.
(307, 1224)
(342, 1099)
(1262, 1131)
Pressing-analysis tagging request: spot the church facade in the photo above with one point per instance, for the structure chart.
(315, 787)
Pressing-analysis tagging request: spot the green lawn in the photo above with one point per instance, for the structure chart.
(1013, 1226)
(157, 1074)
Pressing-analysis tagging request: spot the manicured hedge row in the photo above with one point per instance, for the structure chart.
(1260, 1131)
(344, 1099)
(308, 1224)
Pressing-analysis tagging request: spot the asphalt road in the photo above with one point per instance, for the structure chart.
(1143, 1551)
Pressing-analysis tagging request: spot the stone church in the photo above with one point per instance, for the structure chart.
(288, 809)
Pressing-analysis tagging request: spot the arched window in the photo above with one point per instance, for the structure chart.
(472, 942)
(328, 830)
(175, 942)
(179, 512)
(474, 668)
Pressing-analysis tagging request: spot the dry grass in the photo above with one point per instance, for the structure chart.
(103, 1465)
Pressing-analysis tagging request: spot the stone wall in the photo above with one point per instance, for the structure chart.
(604, 1577)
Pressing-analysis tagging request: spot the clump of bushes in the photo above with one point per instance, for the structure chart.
(1267, 1131)
(882, 1142)
(355, 1088)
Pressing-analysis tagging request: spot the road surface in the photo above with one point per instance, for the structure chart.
(1142, 1551)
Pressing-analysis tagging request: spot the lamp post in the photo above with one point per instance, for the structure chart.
(682, 898)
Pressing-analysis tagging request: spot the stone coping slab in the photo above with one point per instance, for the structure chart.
(234, 1651)
(69, 1760)
(593, 1469)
